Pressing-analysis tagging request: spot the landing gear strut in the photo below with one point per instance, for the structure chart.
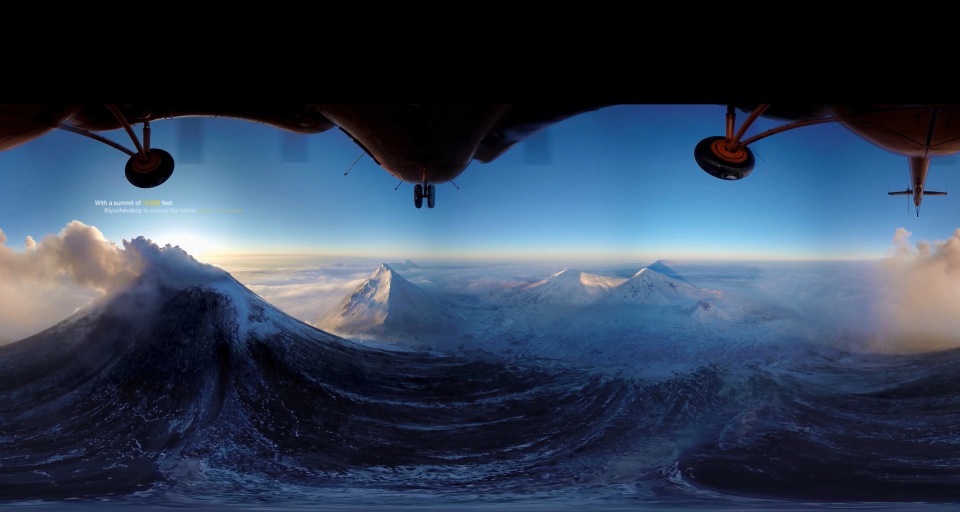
(146, 167)
(728, 157)
(424, 190)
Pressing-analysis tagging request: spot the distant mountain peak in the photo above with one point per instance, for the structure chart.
(706, 310)
(648, 286)
(661, 267)
(385, 303)
(568, 286)
(406, 265)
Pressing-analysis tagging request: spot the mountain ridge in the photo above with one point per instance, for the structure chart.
(388, 303)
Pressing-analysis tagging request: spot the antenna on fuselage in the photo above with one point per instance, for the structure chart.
(355, 162)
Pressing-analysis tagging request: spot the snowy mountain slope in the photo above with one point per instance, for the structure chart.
(650, 287)
(387, 304)
(567, 286)
(577, 287)
(170, 275)
(711, 310)
(186, 375)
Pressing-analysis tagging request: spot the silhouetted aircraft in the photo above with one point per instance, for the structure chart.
(427, 144)
(918, 132)
(423, 144)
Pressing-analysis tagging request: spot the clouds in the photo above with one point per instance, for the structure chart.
(901, 244)
(82, 253)
(909, 302)
(50, 279)
(306, 301)
(79, 254)
(308, 287)
(921, 299)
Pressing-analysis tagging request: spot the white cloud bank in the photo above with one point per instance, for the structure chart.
(913, 306)
(50, 279)
(921, 300)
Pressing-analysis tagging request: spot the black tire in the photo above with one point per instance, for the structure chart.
(156, 170)
(718, 165)
(431, 195)
(418, 195)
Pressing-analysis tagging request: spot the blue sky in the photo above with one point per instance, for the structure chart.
(622, 185)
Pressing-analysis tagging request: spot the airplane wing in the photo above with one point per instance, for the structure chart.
(301, 118)
(521, 121)
(909, 192)
(788, 111)
(21, 123)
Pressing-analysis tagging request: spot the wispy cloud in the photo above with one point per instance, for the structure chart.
(306, 288)
(921, 299)
(50, 279)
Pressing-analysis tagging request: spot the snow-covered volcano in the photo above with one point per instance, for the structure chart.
(575, 287)
(388, 304)
(187, 380)
(171, 281)
(183, 360)
(566, 287)
(650, 287)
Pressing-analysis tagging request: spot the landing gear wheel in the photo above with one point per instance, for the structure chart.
(713, 156)
(149, 172)
(431, 195)
(418, 195)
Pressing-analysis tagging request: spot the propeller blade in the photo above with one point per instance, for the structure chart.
(190, 140)
(538, 148)
(293, 147)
